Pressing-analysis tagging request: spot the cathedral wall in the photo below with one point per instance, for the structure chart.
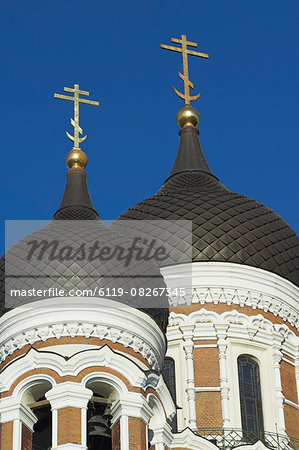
(69, 426)
(207, 376)
(67, 364)
(82, 343)
(291, 415)
(229, 311)
(116, 436)
(206, 364)
(226, 286)
(137, 434)
(26, 438)
(6, 436)
(208, 410)
(222, 307)
(288, 380)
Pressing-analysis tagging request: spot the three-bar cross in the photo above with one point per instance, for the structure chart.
(75, 122)
(185, 76)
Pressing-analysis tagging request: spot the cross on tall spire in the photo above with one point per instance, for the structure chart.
(185, 76)
(75, 122)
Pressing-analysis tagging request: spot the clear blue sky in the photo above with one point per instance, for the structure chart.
(248, 105)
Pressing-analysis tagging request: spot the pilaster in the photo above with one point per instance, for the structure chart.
(128, 407)
(221, 332)
(69, 406)
(14, 414)
(162, 437)
(187, 331)
(279, 397)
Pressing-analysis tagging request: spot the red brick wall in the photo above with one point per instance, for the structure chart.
(137, 434)
(26, 438)
(288, 381)
(69, 426)
(6, 436)
(291, 417)
(206, 367)
(116, 436)
(208, 410)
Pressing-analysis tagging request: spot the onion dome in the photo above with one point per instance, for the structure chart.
(226, 226)
(66, 255)
(76, 254)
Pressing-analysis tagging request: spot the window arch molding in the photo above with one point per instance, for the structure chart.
(31, 394)
(159, 418)
(262, 353)
(106, 378)
(30, 382)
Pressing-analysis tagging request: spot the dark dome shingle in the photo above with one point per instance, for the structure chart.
(225, 226)
(76, 223)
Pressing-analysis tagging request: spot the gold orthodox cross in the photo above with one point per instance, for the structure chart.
(75, 122)
(185, 76)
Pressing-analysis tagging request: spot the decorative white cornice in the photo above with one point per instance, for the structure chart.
(187, 439)
(68, 394)
(102, 357)
(88, 317)
(216, 282)
(11, 409)
(254, 328)
(131, 405)
(162, 437)
(76, 392)
(166, 399)
(239, 326)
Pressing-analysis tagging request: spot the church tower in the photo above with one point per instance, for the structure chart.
(80, 365)
(197, 348)
(233, 326)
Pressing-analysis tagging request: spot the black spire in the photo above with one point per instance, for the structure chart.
(190, 155)
(76, 203)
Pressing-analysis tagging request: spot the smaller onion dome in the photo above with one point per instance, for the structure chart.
(77, 253)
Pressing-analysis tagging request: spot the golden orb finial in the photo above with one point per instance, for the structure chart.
(76, 159)
(187, 116)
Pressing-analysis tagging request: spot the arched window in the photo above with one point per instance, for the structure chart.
(168, 371)
(42, 430)
(98, 424)
(34, 398)
(99, 415)
(250, 398)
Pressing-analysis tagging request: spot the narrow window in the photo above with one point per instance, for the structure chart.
(42, 429)
(250, 398)
(168, 371)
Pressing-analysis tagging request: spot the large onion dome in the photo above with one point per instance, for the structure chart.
(66, 255)
(226, 226)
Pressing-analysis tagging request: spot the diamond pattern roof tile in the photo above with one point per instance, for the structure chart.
(225, 225)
